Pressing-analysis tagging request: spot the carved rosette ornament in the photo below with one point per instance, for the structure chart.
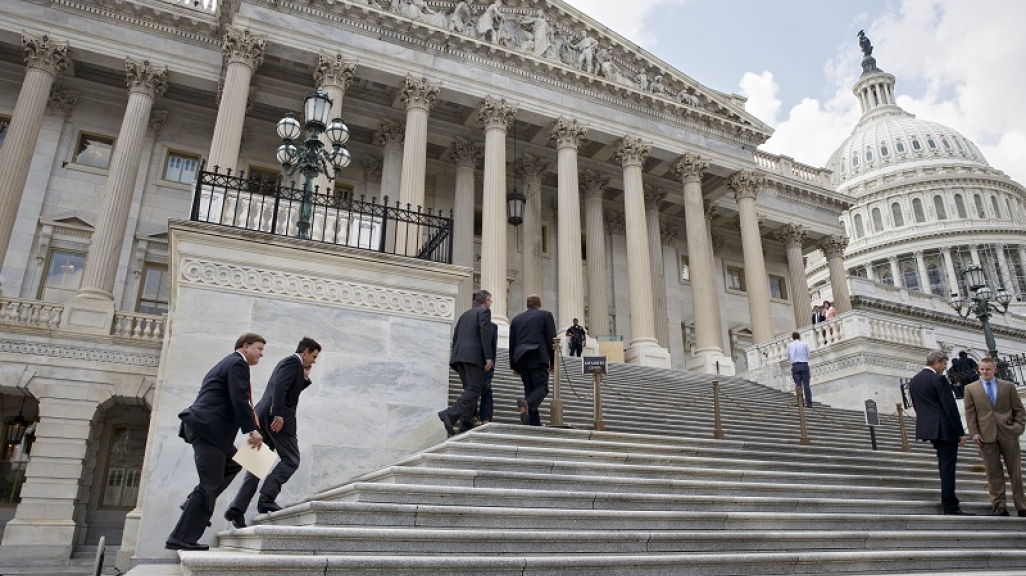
(465, 153)
(745, 184)
(334, 71)
(145, 78)
(372, 168)
(416, 93)
(632, 151)
(653, 196)
(44, 54)
(791, 235)
(530, 167)
(690, 167)
(243, 47)
(496, 113)
(833, 246)
(593, 185)
(390, 134)
(668, 233)
(567, 133)
(61, 102)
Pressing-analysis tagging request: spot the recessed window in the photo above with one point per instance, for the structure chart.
(343, 192)
(896, 215)
(911, 278)
(877, 220)
(854, 161)
(917, 210)
(934, 274)
(916, 145)
(478, 223)
(736, 278)
(931, 143)
(685, 268)
(93, 150)
(153, 290)
(960, 206)
(997, 208)
(860, 228)
(979, 206)
(947, 145)
(545, 239)
(63, 276)
(124, 468)
(869, 155)
(844, 166)
(900, 147)
(181, 167)
(958, 143)
(884, 151)
(938, 206)
(778, 287)
(5, 124)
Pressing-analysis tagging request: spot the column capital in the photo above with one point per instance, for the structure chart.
(593, 184)
(42, 53)
(390, 134)
(711, 211)
(918, 253)
(653, 196)
(372, 168)
(668, 233)
(567, 132)
(243, 47)
(416, 93)
(145, 78)
(465, 153)
(158, 118)
(61, 102)
(745, 184)
(834, 245)
(334, 71)
(689, 167)
(496, 113)
(792, 235)
(615, 222)
(632, 151)
(530, 166)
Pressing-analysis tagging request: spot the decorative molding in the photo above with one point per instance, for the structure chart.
(593, 184)
(415, 93)
(632, 151)
(791, 235)
(61, 102)
(616, 223)
(158, 118)
(669, 233)
(689, 167)
(334, 71)
(390, 134)
(530, 167)
(465, 153)
(567, 132)
(77, 353)
(145, 78)
(44, 54)
(338, 292)
(745, 184)
(834, 245)
(171, 18)
(653, 196)
(495, 113)
(243, 47)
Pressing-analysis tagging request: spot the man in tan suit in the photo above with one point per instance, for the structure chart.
(996, 419)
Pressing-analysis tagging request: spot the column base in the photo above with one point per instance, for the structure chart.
(648, 355)
(712, 363)
(38, 542)
(88, 315)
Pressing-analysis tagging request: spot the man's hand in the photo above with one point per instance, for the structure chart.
(488, 365)
(277, 424)
(978, 439)
(961, 441)
(515, 373)
(551, 369)
(255, 439)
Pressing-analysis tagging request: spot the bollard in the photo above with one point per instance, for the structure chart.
(801, 416)
(599, 424)
(901, 426)
(556, 406)
(718, 429)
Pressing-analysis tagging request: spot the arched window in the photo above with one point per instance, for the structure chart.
(1011, 212)
(938, 206)
(960, 206)
(916, 145)
(934, 274)
(911, 278)
(884, 151)
(869, 155)
(900, 147)
(931, 142)
(917, 210)
(860, 229)
(958, 143)
(854, 161)
(844, 165)
(877, 220)
(994, 204)
(947, 145)
(896, 216)
(980, 212)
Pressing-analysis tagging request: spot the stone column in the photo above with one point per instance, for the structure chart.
(419, 97)
(974, 253)
(896, 277)
(390, 136)
(833, 247)
(372, 175)
(593, 186)
(924, 276)
(243, 54)
(644, 347)
(567, 134)
(44, 59)
(496, 116)
(792, 236)
(949, 266)
(653, 196)
(746, 185)
(1006, 273)
(530, 168)
(870, 272)
(466, 155)
(333, 75)
(44, 527)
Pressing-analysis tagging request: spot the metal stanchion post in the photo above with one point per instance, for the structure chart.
(599, 424)
(901, 426)
(556, 406)
(718, 430)
(801, 416)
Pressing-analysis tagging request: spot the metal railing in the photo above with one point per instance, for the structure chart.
(1015, 367)
(267, 205)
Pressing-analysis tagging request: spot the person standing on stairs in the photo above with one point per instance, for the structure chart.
(937, 420)
(530, 355)
(487, 410)
(798, 354)
(276, 412)
(996, 419)
(471, 356)
(577, 335)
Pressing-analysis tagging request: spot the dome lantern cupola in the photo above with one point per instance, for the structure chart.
(875, 88)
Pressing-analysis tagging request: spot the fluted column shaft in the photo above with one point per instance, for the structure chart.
(496, 116)
(793, 238)
(567, 134)
(632, 153)
(870, 272)
(653, 196)
(334, 76)
(1006, 272)
(465, 155)
(530, 169)
(924, 276)
(833, 247)
(949, 266)
(145, 83)
(390, 136)
(243, 53)
(896, 277)
(419, 97)
(593, 185)
(746, 185)
(45, 60)
(974, 253)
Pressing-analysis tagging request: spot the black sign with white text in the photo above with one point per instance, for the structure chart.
(591, 363)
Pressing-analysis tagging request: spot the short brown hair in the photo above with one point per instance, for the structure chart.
(987, 360)
(308, 344)
(534, 301)
(249, 338)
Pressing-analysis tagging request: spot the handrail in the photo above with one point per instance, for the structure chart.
(30, 313)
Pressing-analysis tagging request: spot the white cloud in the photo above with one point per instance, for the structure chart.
(763, 96)
(627, 19)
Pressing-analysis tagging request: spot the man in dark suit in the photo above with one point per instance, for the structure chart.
(276, 412)
(937, 420)
(223, 407)
(487, 410)
(471, 356)
(530, 354)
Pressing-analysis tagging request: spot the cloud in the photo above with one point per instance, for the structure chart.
(626, 20)
(763, 96)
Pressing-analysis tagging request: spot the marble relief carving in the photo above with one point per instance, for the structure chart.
(88, 354)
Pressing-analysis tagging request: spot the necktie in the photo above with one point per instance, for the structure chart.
(991, 393)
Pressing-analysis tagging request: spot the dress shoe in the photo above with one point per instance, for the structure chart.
(173, 544)
(957, 512)
(447, 422)
(265, 505)
(1022, 513)
(236, 517)
(525, 418)
(1001, 512)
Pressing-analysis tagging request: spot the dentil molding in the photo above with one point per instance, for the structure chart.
(76, 353)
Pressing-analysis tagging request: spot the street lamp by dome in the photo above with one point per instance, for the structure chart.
(979, 304)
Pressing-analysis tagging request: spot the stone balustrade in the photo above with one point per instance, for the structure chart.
(139, 326)
(786, 166)
(202, 5)
(30, 313)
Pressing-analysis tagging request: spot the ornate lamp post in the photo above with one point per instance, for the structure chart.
(311, 158)
(979, 304)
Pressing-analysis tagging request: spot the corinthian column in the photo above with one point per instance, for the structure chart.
(390, 137)
(567, 134)
(466, 155)
(530, 168)
(45, 59)
(653, 196)
(333, 75)
(644, 348)
(746, 185)
(593, 186)
(924, 276)
(496, 116)
(949, 267)
(833, 247)
(419, 97)
(243, 54)
(792, 236)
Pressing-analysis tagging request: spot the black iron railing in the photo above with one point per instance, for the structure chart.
(268, 205)
(1015, 368)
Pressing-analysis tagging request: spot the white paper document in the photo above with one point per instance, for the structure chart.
(258, 462)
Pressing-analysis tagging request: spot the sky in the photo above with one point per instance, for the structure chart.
(957, 62)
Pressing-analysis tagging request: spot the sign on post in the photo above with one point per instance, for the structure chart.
(872, 416)
(590, 363)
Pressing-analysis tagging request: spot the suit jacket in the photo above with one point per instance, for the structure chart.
(281, 396)
(936, 412)
(1006, 418)
(495, 351)
(472, 338)
(817, 317)
(223, 405)
(530, 339)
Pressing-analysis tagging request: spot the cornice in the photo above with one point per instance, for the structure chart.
(969, 229)
(166, 17)
(915, 179)
(907, 311)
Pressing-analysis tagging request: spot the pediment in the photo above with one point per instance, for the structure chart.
(70, 220)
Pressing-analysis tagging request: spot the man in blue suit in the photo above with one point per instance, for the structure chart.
(223, 407)
(530, 355)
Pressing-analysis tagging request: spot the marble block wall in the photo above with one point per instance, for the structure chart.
(383, 321)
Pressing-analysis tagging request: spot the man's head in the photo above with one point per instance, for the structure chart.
(575, 321)
(937, 360)
(796, 336)
(308, 350)
(826, 304)
(987, 368)
(251, 346)
(534, 301)
(483, 298)
(816, 308)
(963, 354)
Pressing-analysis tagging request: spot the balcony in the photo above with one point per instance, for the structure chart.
(37, 316)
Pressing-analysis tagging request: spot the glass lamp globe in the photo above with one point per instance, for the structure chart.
(287, 153)
(317, 107)
(338, 132)
(288, 127)
(340, 158)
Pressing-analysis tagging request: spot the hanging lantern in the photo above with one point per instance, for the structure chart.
(515, 203)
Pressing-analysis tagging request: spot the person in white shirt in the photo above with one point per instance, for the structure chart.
(798, 354)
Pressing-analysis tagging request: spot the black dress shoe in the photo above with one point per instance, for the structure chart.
(957, 512)
(447, 422)
(236, 517)
(1022, 513)
(173, 544)
(524, 409)
(266, 505)
(1001, 512)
